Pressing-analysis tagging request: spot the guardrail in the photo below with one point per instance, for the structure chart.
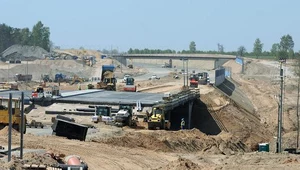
(178, 99)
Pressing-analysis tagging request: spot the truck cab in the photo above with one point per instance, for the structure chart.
(16, 114)
(102, 114)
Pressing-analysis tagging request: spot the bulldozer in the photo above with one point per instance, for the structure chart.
(159, 119)
(16, 114)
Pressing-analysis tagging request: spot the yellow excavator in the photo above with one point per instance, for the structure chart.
(159, 119)
(76, 79)
(16, 114)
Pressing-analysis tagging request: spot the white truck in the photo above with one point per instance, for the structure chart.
(154, 77)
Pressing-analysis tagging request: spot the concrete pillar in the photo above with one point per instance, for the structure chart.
(216, 65)
(190, 113)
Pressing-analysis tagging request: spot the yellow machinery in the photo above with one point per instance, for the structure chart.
(159, 119)
(76, 79)
(108, 83)
(16, 114)
(9, 86)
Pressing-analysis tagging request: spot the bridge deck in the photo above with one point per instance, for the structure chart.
(177, 56)
(113, 98)
(96, 97)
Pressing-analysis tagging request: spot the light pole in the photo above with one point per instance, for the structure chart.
(185, 71)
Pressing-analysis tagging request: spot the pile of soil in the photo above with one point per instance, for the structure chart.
(179, 141)
(4, 131)
(29, 158)
(181, 164)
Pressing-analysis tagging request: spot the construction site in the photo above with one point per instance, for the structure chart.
(84, 109)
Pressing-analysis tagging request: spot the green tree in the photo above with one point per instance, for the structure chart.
(286, 43)
(241, 51)
(130, 51)
(291, 54)
(275, 49)
(41, 36)
(286, 48)
(26, 34)
(257, 48)
(193, 47)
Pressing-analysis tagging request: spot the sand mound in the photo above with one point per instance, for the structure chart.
(181, 164)
(29, 158)
(4, 131)
(178, 141)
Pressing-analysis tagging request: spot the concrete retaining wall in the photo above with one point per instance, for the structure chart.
(219, 76)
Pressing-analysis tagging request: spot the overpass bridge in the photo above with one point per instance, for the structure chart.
(218, 59)
(114, 98)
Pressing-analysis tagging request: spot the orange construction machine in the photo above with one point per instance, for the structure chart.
(194, 81)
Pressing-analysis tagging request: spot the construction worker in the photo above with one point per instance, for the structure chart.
(79, 87)
(182, 124)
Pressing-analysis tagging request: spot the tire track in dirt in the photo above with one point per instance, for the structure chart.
(101, 156)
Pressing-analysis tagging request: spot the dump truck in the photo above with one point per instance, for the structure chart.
(159, 118)
(203, 78)
(16, 114)
(129, 85)
(23, 77)
(108, 80)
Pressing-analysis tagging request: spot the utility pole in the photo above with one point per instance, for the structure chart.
(298, 114)
(183, 71)
(279, 135)
(187, 72)
(9, 125)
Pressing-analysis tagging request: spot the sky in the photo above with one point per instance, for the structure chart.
(158, 24)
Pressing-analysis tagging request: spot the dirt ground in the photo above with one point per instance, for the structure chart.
(233, 145)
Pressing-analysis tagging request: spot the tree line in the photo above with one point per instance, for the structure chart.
(283, 50)
(38, 36)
